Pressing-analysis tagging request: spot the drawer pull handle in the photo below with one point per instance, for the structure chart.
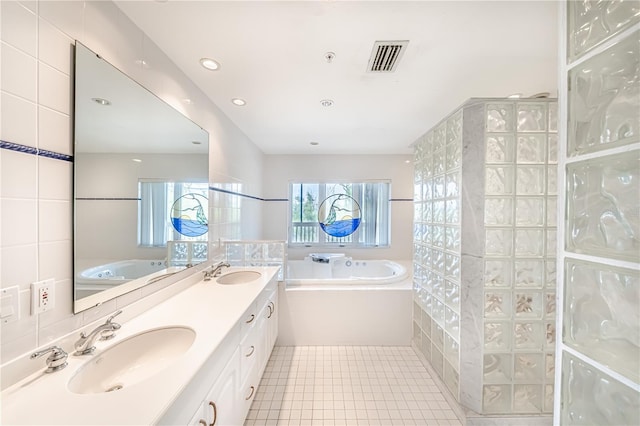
(250, 320)
(215, 413)
(272, 309)
(253, 349)
(203, 423)
(251, 394)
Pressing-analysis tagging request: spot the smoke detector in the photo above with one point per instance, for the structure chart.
(385, 55)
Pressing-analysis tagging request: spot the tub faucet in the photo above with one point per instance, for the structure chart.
(84, 345)
(215, 270)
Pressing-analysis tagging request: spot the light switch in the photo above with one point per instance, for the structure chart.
(9, 304)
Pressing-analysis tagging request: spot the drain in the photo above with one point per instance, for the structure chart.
(114, 388)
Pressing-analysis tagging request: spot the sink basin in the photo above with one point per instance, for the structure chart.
(239, 277)
(132, 360)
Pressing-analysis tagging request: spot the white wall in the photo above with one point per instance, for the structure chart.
(116, 176)
(36, 192)
(280, 170)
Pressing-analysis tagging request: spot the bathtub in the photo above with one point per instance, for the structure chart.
(337, 270)
(344, 301)
(97, 278)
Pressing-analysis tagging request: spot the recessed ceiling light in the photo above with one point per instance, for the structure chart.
(407, 161)
(326, 102)
(238, 102)
(136, 160)
(209, 64)
(101, 101)
(515, 96)
(314, 143)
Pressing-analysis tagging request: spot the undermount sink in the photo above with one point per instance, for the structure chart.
(132, 360)
(239, 277)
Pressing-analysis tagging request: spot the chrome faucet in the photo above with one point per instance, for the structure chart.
(56, 361)
(215, 270)
(85, 346)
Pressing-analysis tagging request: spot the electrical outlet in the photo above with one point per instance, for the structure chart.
(43, 296)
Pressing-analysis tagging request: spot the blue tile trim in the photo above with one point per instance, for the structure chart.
(108, 199)
(226, 191)
(16, 147)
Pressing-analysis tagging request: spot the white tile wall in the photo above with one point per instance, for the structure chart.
(54, 46)
(54, 89)
(36, 97)
(19, 27)
(19, 120)
(18, 175)
(19, 72)
(54, 130)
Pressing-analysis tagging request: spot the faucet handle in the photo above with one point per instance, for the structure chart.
(110, 333)
(115, 314)
(56, 361)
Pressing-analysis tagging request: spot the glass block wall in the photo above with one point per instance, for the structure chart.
(437, 250)
(598, 362)
(257, 253)
(484, 244)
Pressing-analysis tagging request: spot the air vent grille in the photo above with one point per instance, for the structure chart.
(385, 55)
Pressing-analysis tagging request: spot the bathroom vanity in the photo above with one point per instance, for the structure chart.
(196, 358)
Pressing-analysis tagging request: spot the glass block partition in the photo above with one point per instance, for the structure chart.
(598, 365)
(257, 253)
(484, 253)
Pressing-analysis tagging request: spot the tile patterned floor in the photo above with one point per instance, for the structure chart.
(348, 385)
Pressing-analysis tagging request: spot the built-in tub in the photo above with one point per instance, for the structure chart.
(338, 300)
(102, 277)
(343, 270)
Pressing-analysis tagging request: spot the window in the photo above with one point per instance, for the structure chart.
(171, 211)
(362, 206)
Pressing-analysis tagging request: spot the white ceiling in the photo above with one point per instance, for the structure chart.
(272, 55)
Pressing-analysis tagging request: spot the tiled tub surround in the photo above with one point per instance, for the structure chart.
(169, 394)
(598, 363)
(484, 264)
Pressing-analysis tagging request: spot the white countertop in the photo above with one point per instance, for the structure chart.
(210, 309)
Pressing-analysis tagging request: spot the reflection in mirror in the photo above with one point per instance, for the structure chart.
(140, 185)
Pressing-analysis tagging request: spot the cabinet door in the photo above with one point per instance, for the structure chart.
(221, 405)
(272, 321)
(199, 418)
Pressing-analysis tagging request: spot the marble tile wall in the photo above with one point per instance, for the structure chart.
(599, 249)
(484, 253)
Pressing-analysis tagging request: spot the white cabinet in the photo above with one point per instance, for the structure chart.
(227, 401)
(272, 320)
(221, 406)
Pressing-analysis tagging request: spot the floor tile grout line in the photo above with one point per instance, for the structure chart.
(372, 374)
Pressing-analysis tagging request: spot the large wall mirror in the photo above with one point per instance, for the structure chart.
(140, 185)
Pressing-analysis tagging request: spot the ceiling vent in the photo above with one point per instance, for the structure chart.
(385, 55)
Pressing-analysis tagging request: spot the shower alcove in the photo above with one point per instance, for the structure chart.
(485, 200)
